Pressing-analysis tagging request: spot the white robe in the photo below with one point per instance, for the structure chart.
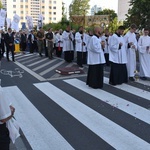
(116, 55)
(144, 56)
(95, 52)
(67, 43)
(59, 38)
(131, 53)
(79, 47)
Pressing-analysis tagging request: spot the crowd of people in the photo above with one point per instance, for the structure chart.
(95, 48)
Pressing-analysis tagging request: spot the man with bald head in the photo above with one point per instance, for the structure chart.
(95, 60)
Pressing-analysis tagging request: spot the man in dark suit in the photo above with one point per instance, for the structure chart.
(9, 40)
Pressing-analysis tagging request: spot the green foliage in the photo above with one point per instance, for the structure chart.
(109, 12)
(79, 7)
(1, 6)
(139, 13)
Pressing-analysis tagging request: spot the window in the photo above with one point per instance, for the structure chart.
(26, 0)
(21, 0)
(54, 18)
(14, 0)
(21, 6)
(54, 13)
(43, 12)
(14, 12)
(43, 6)
(50, 18)
(54, 2)
(21, 12)
(50, 7)
(26, 6)
(50, 13)
(54, 7)
(14, 6)
(21, 17)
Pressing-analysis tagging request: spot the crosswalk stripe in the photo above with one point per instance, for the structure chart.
(22, 55)
(25, 58)
(35, 63)
(131, 89)
(144, 82)
(28, 61)
(113, 100)
(38, 131)
(41, 66)
(109, 131)
(51, 68)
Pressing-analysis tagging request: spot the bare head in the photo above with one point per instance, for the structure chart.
(98, 31)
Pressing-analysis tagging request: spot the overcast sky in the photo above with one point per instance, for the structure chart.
(111, 4)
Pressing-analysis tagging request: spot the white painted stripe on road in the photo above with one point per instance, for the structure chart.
(116, 136)
(22, 55)
(30, 71)
(39, 132)
(51, 68)
(26, 58)
(113, 100)
(28, 61)
(37, 62)
(46, 64)
(130, 89)
(144, 82)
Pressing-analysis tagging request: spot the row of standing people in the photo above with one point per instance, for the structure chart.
(122, 56)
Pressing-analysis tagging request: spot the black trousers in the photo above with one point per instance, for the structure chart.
(4, 137)
(10, 49)
(69, 56)
(81, 58)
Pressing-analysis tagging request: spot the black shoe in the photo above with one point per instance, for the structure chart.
(143, 78)
(40, 54)
(131, 79)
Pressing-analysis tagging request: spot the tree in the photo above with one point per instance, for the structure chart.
(110, 12)
(79, 7)
(139, 13)
(1, 6)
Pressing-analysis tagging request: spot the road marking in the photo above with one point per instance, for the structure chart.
(116, 136)
(28, 61)
(46, 64)
(30, 72)
(113, 100)
(37, 62)
(51, 68)
(25, 58)
(131, 89)
(40, 134)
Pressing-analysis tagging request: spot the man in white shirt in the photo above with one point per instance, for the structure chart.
(118, 58)
(6, 113)
(81, 49)
(95, 60)
(68, 45)
(131, 47)
(144, 54)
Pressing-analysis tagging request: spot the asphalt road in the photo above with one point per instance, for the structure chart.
(60, 112)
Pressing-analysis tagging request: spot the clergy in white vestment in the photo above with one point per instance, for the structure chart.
(59, 43)
(81, 47)
(118, 58)
(131, 47)
(95, 60)
(144, 54)
(68, 45)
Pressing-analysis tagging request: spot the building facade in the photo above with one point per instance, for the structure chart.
(50, 9)
(95, 9)
(123, 7)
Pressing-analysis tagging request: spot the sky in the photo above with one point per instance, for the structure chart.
(111, 4)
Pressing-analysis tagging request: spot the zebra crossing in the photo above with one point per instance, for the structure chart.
(72, 115)
(41, 67)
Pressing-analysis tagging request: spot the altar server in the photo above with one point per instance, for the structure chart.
(118, 58)
(144, 54)
(131, 47)
(95, 60)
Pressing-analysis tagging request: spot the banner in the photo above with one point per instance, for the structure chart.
(29, 22)
(40, 21)
(15, 22)
(2, 18)
(8, 21)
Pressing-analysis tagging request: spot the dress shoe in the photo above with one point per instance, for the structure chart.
(143, 78)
